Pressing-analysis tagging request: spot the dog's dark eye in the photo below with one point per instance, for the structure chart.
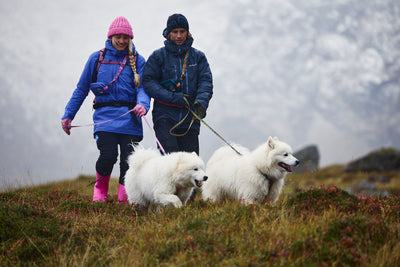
(286, 154)
(196, 169)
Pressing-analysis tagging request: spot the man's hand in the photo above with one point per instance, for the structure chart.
(199, 110)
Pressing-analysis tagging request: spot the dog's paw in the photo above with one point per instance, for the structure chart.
(166, 200)
(178, 204)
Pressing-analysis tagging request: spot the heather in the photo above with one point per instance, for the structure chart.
(316, 222)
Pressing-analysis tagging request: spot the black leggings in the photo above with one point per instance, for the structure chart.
(107, 143)
(171, 143)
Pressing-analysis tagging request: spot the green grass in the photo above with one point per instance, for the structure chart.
(314, 223)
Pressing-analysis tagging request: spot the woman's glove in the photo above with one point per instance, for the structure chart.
(139, 110)
(66, 125)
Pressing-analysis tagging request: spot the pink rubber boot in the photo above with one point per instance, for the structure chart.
(122, 196)
(101, 188)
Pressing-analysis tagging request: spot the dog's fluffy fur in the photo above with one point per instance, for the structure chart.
(154, 179)
(252, 177)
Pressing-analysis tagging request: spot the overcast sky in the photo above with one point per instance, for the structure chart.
(309, 72)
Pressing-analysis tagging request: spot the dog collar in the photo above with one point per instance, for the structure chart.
(269, 179)
(177, 190)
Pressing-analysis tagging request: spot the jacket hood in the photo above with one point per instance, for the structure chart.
(175, 49)
(110, 48)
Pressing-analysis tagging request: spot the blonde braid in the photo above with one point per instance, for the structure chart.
(133, 65)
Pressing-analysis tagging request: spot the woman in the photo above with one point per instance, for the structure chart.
(113, 75)
(173, 72)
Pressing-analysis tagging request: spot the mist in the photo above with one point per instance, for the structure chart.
(308, 72)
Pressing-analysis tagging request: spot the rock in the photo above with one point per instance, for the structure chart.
(377, 178)
(367, 189)
(309, 159)
(386, 159)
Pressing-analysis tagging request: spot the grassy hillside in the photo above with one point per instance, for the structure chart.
(314, 223)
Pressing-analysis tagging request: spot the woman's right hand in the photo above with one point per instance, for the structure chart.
(66, 125)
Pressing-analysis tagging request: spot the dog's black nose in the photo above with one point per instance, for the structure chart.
(296, 163)
(205, 178)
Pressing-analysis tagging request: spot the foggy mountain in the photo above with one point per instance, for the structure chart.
(327, 73)
(309, 72)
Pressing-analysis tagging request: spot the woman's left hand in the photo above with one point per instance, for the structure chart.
(139, 110)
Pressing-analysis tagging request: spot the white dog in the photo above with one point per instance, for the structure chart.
(162, 180)
(252, 177)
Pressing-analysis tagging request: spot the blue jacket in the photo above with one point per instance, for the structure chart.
(166, 63)
(123, 90)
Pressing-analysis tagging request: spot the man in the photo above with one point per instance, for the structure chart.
(173, 74)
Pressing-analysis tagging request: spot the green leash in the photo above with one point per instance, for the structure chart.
(187, 105)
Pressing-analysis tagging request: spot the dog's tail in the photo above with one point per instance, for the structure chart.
(140, 156)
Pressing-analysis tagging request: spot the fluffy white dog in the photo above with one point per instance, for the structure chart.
(162, 180)
(252, 177)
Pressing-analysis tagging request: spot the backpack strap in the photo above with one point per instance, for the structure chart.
(102, 53)
(101, 60)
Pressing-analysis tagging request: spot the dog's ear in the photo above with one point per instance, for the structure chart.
(271, 142)
(179, 163)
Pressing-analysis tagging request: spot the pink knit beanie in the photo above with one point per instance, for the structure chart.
(120, 26)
